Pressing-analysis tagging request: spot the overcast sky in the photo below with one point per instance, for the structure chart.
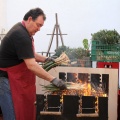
(77, 18)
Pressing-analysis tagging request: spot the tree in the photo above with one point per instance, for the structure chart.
(85, 44)
(107, 36)
(72, 53)
(61, 49)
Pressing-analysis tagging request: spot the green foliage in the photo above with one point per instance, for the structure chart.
(73, 53)
(106, 36)
(85, 44)
(61, 49)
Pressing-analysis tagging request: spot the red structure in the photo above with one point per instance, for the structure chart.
(113, 65)
(108, 65)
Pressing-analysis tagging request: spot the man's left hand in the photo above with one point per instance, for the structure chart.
(49, 59)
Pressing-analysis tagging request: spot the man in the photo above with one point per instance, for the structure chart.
(18, 64)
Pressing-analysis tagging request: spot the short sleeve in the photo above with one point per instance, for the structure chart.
(23, 46)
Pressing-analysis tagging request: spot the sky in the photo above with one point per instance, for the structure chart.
(76, 18)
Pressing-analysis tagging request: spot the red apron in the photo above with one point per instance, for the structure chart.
(22, 84)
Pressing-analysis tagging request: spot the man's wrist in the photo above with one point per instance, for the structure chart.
(49, 59)
(46, 59)
(52, 79)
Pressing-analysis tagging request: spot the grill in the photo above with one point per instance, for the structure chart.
(53, 102)
(92, 102)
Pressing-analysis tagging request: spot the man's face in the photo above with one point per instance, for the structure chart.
(34, 25)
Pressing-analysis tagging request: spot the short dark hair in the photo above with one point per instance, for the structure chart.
(34, 13)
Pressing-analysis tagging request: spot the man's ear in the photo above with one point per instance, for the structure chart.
(29, 18)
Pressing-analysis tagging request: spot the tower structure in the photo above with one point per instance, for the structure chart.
(57, 32)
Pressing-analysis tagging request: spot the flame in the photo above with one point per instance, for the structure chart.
(81, 89)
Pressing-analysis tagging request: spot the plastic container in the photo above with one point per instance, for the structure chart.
(105, 52)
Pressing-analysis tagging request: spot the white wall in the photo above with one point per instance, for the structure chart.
(3, 16)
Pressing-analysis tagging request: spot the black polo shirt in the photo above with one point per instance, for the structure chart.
(15, 46)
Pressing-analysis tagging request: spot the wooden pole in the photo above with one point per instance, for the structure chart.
(50, 41)
(58, 32)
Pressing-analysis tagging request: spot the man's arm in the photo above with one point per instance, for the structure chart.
(40, 58)
(37, 69)
(40, 72)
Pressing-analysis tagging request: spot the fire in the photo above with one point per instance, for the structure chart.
(81, 89)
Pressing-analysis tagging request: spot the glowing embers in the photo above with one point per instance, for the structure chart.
(81, 84)
(86, 84)
(73, 106)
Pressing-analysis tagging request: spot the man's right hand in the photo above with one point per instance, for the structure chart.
(59, 83)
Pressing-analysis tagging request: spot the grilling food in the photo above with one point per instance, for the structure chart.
(70, 86)
(62, 60)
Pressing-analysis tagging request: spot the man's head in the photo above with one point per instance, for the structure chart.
(34, 20)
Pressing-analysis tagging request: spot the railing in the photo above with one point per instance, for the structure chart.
(45, 53)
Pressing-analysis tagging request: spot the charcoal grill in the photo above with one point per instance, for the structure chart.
(83, 106)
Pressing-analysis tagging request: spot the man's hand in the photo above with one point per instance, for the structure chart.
(59, 83)
(49, 59)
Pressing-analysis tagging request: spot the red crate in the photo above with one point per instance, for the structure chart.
(114, 65)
